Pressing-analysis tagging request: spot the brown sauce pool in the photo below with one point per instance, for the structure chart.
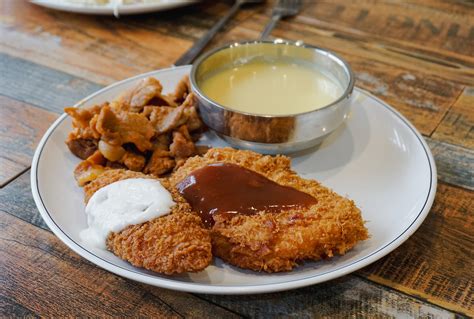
(229, 188)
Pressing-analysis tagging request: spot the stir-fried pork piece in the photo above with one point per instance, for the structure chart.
(135, 99)
(182, 146)
(160, 163)
(182, 90)
(124, 127)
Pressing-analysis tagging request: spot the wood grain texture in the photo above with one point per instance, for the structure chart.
(346, 297)
(456, 172)
(455, 164)
(422, 104)
(414, 86)
(104, 49)
(41, 255)
(438, 27)
(16, 199)
(429, 242)
(41, 276)
(419, 77)
(8, 169)
(437, 262)
(11, 309)
(21, 128)
(416, 55)
(448, 65)
(458, 125)
(44, 87)
(422, 97)
(28, 252)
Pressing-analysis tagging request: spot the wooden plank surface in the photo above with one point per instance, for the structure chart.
(27, 252)
(104, 49)
(41, 272)
(457, 126)
(346, 297)
(438, 27)
(27, 259)
(415, 87)
(423, 97)
(82, 44)
(9, 170)
(365, 47)
(16, 199)
(21, 128)
(455, 164)
(421, 266)
(44, 87)
(416, 55)
(437, 262)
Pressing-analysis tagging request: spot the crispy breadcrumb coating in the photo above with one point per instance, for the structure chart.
(275, 242)
(170, 244)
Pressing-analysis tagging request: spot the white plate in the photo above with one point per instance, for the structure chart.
(110, 9)
(377, 158)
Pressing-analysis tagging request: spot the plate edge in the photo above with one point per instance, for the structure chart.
(200, 288)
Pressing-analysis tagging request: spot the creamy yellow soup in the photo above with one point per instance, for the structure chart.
(280, 88)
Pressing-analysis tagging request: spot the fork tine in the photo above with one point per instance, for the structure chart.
(287, 7)
(297, 4)
(282, 9)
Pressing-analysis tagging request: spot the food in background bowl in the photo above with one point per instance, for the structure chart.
(265, 86)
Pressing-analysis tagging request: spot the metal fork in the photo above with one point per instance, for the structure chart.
(189, 56)
(283, 9)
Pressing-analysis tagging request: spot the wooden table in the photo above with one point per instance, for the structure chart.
(416, 55)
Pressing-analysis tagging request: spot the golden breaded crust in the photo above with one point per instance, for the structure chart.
(171, 244)
(278, 241)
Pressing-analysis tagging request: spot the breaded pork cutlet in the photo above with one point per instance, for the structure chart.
(275, 242)
(170, 244)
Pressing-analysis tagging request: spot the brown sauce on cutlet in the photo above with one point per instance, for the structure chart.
(232, 189)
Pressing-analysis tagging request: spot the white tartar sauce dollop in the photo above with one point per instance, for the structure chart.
(120, 204)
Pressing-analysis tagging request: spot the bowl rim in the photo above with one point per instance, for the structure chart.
(346, 94)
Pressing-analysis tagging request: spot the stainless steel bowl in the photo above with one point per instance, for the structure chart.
(272, 134)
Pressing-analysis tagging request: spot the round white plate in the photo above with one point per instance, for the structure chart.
(377, 158)
(110, 9)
